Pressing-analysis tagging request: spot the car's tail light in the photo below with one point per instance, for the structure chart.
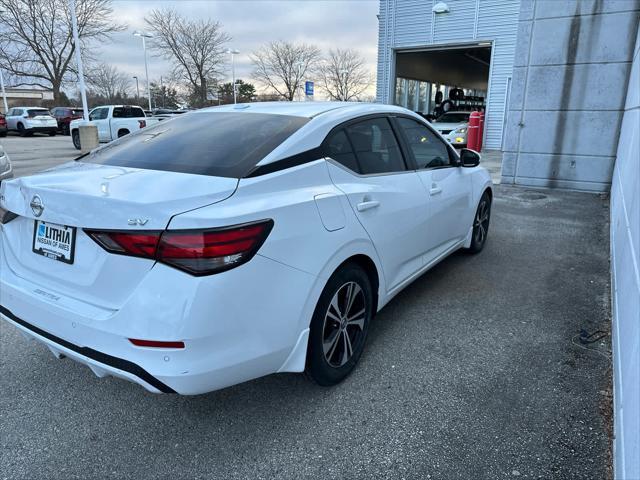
(198, 252)
(143, 123)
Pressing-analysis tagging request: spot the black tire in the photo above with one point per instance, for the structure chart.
(3, 134)
(52, 134)
(21, 131)
(75, 137)
(65, 129)
(481, 224)
(332, 332)
(447, 105)
(122, 133)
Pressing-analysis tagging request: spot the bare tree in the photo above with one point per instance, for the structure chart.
(109, 82)
(196, 48)
(39, 48)
(344, 75)
(282, 65)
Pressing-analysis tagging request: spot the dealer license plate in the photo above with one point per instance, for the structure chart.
(57, 242)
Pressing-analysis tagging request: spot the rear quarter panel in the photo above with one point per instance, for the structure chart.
(298, 239)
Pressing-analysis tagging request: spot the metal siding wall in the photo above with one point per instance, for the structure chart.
(457, 25)
(413, 22)
(411, 28)
(498, 21)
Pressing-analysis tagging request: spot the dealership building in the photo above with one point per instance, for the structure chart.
(559, 81)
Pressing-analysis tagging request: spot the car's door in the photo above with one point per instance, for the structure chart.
(99, 117)
(386, 196)
(447, 186)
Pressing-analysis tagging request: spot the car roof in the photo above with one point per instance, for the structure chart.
(323, 117)
(304, 109)
(30, 108)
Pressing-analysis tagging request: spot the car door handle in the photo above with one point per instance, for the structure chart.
(435, 190)
(362, 206)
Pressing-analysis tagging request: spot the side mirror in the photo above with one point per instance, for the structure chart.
(469, 158)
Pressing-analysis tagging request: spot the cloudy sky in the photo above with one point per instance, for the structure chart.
(250, 23)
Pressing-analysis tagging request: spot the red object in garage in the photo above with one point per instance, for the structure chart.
(481, 132)
(474, 130)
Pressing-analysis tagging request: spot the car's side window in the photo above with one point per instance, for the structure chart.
(375, 146)
(99, 114)
(339, 148)
(428, 150)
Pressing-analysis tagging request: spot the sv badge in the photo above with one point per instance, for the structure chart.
(138, 221)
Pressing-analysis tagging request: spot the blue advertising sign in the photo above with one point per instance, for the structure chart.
(308, 88)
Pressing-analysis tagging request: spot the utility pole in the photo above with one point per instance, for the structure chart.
(76, 41)
(137, 89)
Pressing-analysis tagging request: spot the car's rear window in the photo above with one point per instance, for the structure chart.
(34, 112)
(223, 144)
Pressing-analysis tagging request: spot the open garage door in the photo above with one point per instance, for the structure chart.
(429, 81)
(444, 85)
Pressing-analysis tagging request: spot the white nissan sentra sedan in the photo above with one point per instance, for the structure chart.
(235, 242)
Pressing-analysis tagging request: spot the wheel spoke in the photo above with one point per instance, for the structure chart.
(354, 290)
(329, 345)
(335, 304)
(346, 351)
(357, 319)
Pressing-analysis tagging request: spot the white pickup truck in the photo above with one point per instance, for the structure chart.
(113, 121)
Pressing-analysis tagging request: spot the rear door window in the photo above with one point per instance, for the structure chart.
(339, 148)
(128, 112)
(223, 144)
(375, 146)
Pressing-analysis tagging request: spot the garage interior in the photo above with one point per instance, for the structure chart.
(434, 81)
(420, 75)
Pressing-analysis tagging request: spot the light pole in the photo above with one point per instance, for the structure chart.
(76, 41)
(343, 76)
(145, 35)
(4, 93)
(137, 89)
(233, 53)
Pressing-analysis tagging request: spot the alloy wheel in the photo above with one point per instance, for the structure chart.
(343, 328)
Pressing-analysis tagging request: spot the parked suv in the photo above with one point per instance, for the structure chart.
(29, 120)
(64, 116)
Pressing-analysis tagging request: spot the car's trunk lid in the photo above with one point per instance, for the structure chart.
(97, 197)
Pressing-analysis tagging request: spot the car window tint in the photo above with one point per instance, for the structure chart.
(428, 150)
(339, 148)
(223, 144)
(128, 112)
(34, 112)
(375, 146)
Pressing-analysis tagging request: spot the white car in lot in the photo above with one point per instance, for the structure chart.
(112, 121)
(235, 242)
(454, 126)
(29, 120)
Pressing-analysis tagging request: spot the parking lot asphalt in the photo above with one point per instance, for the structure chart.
(39, 152)
(472, 372)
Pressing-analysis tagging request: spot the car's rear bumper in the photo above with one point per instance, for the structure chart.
(100, 363)
(235, 326)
